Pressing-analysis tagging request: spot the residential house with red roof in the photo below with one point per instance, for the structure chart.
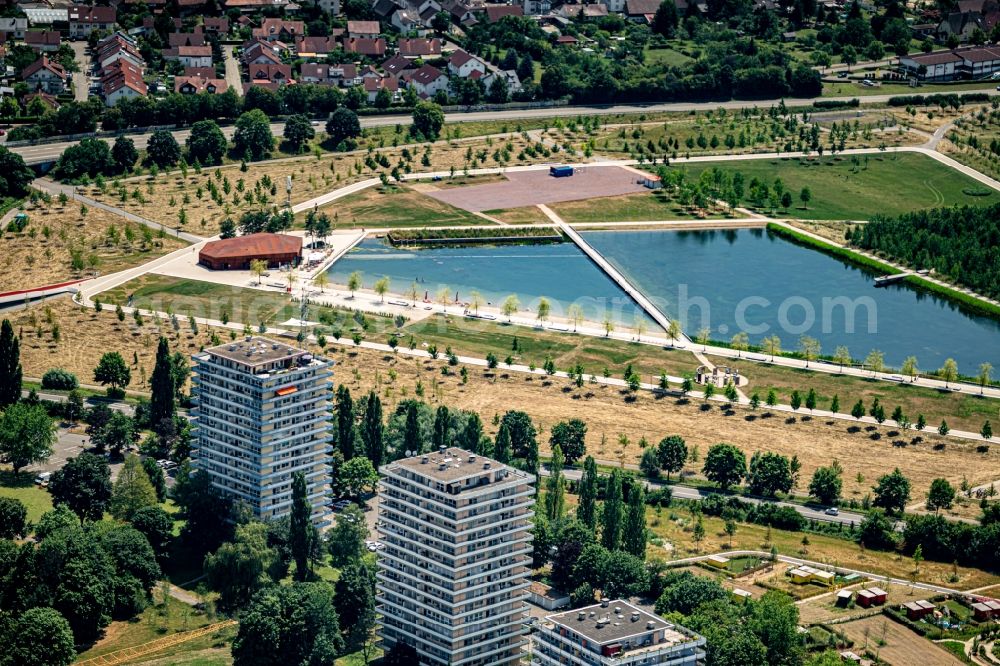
(419, 47)
(195, 85)
(122, 80)
(118, 47)
(45, 41)
(269, 76)
(190, 56)
(374, 84)
(84, 19)
(373, 48)
(397, 64)
(280, 30)
(186, 39)
(45, 75)
(496, 12)
(218, 25)
(363, 29)
(315, 47)
(344, 76)
(462, 64)
(260, 53)
(426, 81)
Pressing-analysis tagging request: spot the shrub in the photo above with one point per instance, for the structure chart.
(58, 379)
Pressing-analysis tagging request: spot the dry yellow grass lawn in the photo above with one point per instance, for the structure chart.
(42, 253)
(86, 335)
(895, 644)
(823, 608)
(161, 199)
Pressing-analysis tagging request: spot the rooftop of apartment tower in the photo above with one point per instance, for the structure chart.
(614, 620)
(449, 464)
(255, 351)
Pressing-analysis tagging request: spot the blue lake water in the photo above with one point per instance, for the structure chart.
(725, 281)
(749, 280)
(558, 272)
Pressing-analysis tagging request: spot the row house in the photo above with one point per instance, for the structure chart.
(196, 85)
(373, 48)
(122, 80)
(419, 48)
(43, 40)
(275, 29)
(118, 47)
(254, 6)
(84, 20)
(190, 56)
(344, 76)
(45, 76)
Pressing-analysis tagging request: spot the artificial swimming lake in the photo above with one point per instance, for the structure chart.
(721, 280)
(559, 272)
(751, 280)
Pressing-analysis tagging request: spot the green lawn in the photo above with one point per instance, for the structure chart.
(22, 487)
(398, 206)
(846, 89)
(667, 56)
(892, 183)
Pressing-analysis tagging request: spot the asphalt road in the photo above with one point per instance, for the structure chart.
(697, 494)
(50, 152)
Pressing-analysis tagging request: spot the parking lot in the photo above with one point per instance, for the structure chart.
(530, 188)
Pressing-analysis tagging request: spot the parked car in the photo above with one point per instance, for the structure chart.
(43, 478)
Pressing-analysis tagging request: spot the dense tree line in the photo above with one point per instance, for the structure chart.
(959, 243)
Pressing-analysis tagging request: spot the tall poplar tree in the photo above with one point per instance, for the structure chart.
(502, 448)
(442, 419)
(345, 422)
(300, 528)
(614, 509)
(372, 430)
(634, 532)
(555, 487)
(586, 509)
(161, 403)
(10, 365)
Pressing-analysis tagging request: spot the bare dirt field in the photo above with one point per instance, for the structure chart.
(529, 188)
(895, 644)
(102, 242)
(86, 335)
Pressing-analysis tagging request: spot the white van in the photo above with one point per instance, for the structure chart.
(43, 477)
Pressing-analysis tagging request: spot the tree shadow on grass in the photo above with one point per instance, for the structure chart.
(22, 480)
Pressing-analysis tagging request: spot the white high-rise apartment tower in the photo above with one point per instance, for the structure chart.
(453, 576)
(261, 413)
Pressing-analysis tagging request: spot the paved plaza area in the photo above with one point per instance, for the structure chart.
(530, 188)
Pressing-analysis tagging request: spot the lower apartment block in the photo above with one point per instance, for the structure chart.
(614, 633)
(453, 576)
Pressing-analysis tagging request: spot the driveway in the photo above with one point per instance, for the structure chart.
(81, 82)
(233, 71)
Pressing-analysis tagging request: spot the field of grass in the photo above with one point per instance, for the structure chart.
(846, 89)
(164, 617)
(397, 206)
(667, 56)
(890, 184)
(896, 644)
(675, 526)
(22, 487)
(526, 215)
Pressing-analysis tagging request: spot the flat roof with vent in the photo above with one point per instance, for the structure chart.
(616, 621)
(454, 464)
(254, 350)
